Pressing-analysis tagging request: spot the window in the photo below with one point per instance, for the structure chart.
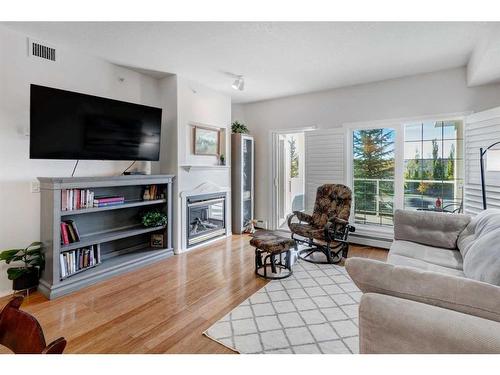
(373, 175)
(433, 165)
(415, 165)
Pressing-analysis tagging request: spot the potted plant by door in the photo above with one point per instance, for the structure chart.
(31, 262)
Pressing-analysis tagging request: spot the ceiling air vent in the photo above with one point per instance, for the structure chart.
(43, 51)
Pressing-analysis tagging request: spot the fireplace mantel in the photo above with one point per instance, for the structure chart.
(204, 188)
(202, 167)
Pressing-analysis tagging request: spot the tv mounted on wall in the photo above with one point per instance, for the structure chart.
(70, 125)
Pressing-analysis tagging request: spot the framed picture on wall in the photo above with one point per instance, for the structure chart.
(206, 141)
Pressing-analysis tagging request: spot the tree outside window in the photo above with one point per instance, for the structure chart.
(430, 171)
(373, 172)
(294, 158)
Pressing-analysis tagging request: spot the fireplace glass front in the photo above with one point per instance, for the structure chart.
(205, 218)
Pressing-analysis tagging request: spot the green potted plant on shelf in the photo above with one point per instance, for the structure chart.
(31, 262)
(154, 219)
(238, 127)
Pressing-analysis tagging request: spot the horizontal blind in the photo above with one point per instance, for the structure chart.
(325, 155)
(481, 130)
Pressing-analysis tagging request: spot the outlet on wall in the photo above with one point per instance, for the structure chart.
(261, 224)
(35, 186)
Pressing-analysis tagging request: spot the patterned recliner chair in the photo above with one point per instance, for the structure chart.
(327, 229)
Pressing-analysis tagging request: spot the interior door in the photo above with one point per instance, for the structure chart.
(281, 181)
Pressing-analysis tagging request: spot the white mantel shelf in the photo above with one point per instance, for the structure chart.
(199, 167)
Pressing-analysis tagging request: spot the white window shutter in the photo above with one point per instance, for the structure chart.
(325, 155)
(481, 130)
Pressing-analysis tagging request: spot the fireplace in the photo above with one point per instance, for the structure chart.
(206, 217)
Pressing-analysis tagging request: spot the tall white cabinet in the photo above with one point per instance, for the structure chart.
(242, 187)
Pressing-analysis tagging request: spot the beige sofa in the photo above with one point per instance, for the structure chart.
(438, 291)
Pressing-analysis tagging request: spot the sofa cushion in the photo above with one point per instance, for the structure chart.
(482, 262)
(454, 293)
(429, 228)
(479, 245)
(399, 260)
(425, 257)
(484, 222)
(389, 324)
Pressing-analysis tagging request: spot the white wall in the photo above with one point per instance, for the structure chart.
(194, 103)
(426, 94)
(169, 159)
(19, 208)
(200, 105)
(237, 113)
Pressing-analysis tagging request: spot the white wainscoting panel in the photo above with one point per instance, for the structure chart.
(481, 130)
(325, 155)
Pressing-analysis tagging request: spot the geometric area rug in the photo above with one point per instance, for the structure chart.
(313, 311)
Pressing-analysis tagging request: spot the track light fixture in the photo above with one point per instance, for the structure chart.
(239, 83)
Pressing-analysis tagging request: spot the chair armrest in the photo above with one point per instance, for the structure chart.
(302, 216)
(337, 229)
(450, 292)
(429, 228)
(393, 325)
(55, 347)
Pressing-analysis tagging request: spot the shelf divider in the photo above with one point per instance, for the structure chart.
(127, 204)
(109, 236)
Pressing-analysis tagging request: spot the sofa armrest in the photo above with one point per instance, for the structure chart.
(394, 325)
(450, 292)
(429, 228)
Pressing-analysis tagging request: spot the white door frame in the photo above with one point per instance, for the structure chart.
(274, 170)
(280, 181)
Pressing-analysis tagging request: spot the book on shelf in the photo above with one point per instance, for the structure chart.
(69, 232)
(107, 204)
(152, 193)
(76, 199)
(105, 201)
(74, 228)
(64, 233)
(79, 259)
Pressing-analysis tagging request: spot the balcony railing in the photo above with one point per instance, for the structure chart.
(374, 198)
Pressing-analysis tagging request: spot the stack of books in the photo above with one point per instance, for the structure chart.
(69, 232)
(77, 260)
(76, 199)
(105, 201)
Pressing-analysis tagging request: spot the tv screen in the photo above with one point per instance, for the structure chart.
(70, 125)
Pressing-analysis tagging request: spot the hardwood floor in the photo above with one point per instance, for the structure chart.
(163, 308)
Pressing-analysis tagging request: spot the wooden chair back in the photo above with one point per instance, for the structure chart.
(21, 332)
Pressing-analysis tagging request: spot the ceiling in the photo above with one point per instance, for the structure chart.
(282, 58)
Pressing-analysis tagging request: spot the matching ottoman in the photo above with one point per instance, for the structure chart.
(275, 252)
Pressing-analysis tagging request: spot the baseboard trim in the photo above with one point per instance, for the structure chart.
(370, 241)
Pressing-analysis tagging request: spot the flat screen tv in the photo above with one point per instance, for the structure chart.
(70, 125)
